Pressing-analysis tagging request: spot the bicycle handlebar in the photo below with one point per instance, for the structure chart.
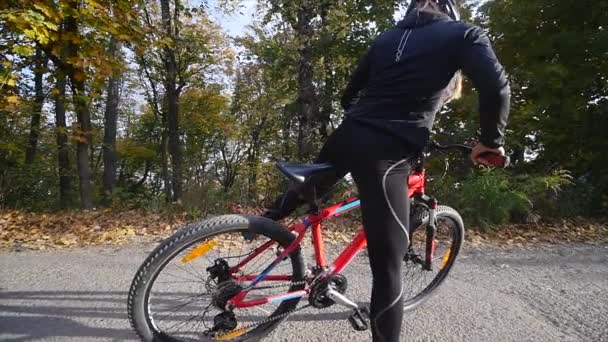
(491, 159)
(460, 147)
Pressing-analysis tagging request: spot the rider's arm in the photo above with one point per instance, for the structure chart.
(479, 63)
(358, 81)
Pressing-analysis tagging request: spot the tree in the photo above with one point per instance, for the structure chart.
(72, 35)
(190, 50)
(76, 73)
(559, 84)
(63, 155)
(254, 108)
(329, 36)
(171, 26)
(110, 125)
(40, 62)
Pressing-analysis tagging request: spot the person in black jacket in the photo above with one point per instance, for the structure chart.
(408, 74)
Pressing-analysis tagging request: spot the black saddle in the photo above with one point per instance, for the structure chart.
(301, 173)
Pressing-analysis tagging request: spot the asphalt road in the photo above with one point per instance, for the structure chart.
(535, 294)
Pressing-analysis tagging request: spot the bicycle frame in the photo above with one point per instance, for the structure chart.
(416, 183)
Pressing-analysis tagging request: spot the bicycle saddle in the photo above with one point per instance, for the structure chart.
(300, 173)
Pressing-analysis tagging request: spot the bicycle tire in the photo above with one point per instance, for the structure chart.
(422, 219)
(139, 292)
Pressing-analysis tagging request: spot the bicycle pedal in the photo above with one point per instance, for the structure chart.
(359, 319)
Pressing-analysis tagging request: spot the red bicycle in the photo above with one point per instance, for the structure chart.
(237, 277)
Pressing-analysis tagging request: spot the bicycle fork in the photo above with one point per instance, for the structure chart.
(431, 231)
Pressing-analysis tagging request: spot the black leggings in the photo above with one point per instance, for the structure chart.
(379, 167)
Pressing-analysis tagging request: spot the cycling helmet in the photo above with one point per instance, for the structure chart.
(447, 6)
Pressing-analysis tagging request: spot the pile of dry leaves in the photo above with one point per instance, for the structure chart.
(557, 232)
(78, 228)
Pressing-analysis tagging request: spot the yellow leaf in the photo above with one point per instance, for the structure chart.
(66, 242)
(47, 11)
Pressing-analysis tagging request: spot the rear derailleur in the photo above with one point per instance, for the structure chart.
(226, 289)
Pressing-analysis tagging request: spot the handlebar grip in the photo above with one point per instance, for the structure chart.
(495, 160)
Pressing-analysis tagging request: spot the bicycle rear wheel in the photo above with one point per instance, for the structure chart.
(420, 283)
(177, 295)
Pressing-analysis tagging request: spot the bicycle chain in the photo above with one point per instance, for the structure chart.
(249, 326)
(302, 282)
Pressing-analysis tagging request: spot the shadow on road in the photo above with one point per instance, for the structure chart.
(35, 315)
(28, 328)
(55, 315)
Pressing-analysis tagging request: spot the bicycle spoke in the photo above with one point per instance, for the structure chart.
(182, 305)
(192, 274)
(179, 282)
(172, 275)
(181, 324)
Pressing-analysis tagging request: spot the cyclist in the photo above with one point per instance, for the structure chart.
(408, 74)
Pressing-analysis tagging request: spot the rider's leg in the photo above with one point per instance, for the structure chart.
(292, 199)
(385, 209)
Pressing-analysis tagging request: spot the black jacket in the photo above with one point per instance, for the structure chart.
(402, 97)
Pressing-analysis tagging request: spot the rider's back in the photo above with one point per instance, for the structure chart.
(403, 92)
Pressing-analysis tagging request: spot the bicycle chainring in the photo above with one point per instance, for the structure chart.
(318, 293)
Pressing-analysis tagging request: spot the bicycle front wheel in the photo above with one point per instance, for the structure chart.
(419, 282)
(181, 290)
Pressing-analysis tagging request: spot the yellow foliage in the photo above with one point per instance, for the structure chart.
(129, 149)
(13, 99)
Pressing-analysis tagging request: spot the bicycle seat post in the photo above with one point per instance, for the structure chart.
(314, 203)
(308, 193)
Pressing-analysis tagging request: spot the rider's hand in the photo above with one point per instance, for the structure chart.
(480, 149)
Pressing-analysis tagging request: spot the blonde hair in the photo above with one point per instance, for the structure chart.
(455, 86)
(429, 6)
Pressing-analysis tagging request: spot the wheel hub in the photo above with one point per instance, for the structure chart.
(224, 292)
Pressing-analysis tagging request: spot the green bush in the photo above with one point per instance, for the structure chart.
(491, 197)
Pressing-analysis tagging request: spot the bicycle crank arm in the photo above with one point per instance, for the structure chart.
(341, 299)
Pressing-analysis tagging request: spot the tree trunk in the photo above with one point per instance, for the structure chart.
(286, 132)
(84, 134)
(252, 161)
(327, 43)
(306, 89)
(39, 66)
(326, 102)
(172, 98)
(143, 179)
(63, 153)
(165, 161)
(84, 139)
(109, 137)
